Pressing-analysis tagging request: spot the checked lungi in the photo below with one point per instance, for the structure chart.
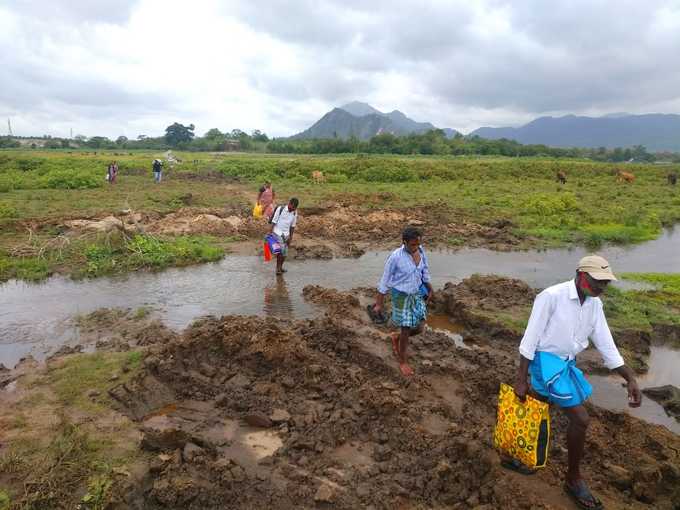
(408, 310)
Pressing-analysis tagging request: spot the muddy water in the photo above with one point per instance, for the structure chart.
(37, 319)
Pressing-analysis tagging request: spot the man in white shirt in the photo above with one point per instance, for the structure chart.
(283, 226)
(563, 317)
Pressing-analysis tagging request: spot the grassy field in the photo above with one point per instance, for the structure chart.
(37, 188)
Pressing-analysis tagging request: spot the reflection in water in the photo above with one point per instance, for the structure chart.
(277, 302)
(37, 319)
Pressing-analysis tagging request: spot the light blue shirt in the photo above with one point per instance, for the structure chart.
(402, 274)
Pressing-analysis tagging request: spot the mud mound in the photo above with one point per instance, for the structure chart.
(488, 305)
(253, 412)
(668, 396)
(190, 221)
(121, 329)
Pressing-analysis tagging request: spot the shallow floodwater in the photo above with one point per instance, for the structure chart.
(38, 318)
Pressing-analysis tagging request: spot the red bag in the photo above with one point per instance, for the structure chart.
(267, 252)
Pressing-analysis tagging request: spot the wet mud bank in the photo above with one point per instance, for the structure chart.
(495, 309)
(248, 412)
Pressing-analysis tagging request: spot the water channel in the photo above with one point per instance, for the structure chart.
(38, 318)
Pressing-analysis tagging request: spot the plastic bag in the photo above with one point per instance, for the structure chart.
(273, 244)
(267, 252)
(257, 211)
(522, 428)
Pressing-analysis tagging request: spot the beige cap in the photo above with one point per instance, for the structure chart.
(597, 267)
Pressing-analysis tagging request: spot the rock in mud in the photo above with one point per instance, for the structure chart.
(279, 416)
(325, 494)
(191, 451)
(258, 420)
(668, 396)
(164, 440)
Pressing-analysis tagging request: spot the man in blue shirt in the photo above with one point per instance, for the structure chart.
(407, 276)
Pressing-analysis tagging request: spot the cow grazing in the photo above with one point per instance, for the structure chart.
(561, 177)
(318, 177)
(622, 176)
(673, 178)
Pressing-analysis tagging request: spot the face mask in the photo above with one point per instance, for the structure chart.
(585, 286)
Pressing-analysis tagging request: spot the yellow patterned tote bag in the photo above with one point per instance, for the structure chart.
(522, 428)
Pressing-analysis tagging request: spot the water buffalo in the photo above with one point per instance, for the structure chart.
(673, 178)
(622, 176)
(561, 177)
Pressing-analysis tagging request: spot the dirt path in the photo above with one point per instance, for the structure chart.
(247, 412)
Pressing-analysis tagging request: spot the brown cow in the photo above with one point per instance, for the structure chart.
(673, 178)
(318, 177)
(561, 177)
(622, 176)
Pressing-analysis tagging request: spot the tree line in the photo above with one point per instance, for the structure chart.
(433, 142)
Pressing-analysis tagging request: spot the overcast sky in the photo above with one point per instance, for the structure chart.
(131, 67)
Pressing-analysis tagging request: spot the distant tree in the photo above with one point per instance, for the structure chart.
(214, 134)
(142, 137)
(98, 142)
(65, 143)
(121, 141)
(178, 133)
(80, 138)
(259, 136)
(236, 134)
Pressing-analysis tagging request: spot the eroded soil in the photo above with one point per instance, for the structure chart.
(247, 412)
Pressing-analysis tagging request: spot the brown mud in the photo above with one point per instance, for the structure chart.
(344, 229)
(247, 412)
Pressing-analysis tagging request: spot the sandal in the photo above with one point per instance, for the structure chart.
(582, 496)
(406, 369)
(518, 467)
(376, 318)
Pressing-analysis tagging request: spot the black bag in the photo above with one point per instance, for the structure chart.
(271, 218)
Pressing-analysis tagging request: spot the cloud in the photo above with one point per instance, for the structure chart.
(125, 67)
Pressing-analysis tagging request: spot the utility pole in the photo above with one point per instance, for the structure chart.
(71, 138)
(9, 128)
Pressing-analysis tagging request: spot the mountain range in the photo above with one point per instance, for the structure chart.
(363, 121)
(657, 132)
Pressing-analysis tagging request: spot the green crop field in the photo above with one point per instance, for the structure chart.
(38, 188)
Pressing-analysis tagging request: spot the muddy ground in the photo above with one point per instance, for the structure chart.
(247, 412)
(337, 230)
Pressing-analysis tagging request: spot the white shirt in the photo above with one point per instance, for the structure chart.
(559, 324)
(283, 221)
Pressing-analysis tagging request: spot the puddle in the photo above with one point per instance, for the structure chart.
(664, 366)
(244, 444)
(444, 324)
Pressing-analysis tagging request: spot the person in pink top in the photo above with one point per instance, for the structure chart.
(266, 199)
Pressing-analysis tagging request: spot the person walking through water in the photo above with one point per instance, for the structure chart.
(407, 276)
(112, 171)
(283, 226)
(563, 317)
(157, 170)
(266, 198)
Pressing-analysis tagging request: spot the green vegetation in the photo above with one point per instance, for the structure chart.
(592, 208)
(54, 475)
(147, 252)
(97, 372)
(643, 309)
(5, 501)
(107, 254)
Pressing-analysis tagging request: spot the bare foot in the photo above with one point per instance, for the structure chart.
(406, 369)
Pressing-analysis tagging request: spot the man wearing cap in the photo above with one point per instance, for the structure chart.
(563, 317)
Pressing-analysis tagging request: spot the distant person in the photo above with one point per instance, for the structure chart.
(283, 226)
(407, 276)
(113, 172)
(563, 317)
(157, 170)
(266, 198)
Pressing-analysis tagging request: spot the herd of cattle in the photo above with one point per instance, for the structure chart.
(621, 176)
